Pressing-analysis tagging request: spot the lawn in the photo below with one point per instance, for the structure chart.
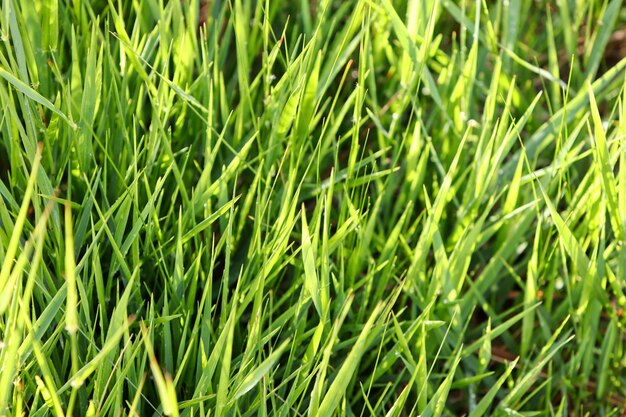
(312, 208)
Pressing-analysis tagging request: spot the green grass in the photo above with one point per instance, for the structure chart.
(354, 208)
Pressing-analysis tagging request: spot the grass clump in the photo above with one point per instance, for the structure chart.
(317, 208)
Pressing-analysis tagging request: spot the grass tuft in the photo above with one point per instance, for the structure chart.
(325, 208)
